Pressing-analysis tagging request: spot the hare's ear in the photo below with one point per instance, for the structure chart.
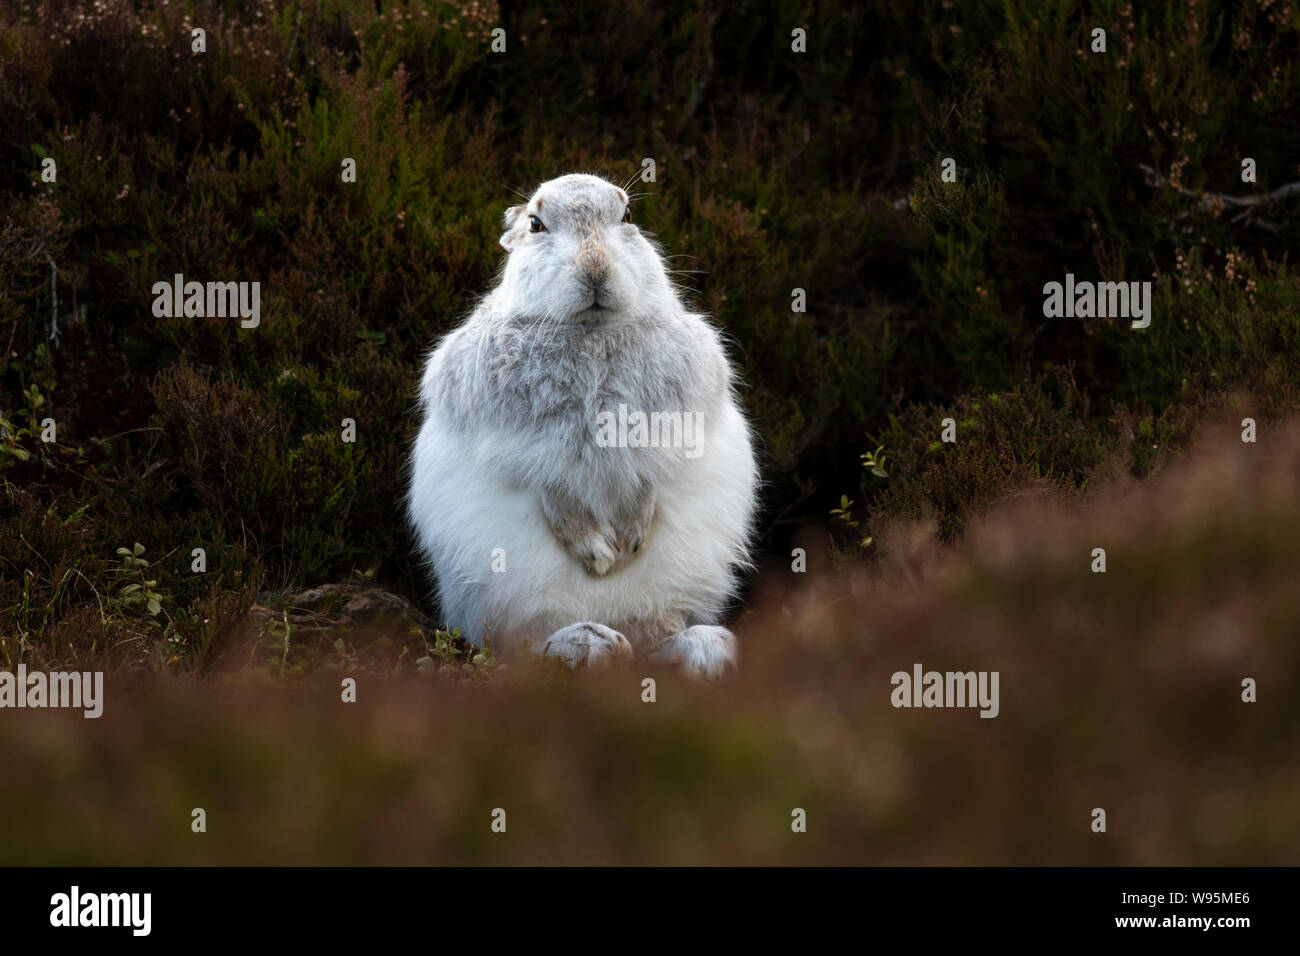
(510, 237)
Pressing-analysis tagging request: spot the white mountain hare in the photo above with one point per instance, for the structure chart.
(584, 481)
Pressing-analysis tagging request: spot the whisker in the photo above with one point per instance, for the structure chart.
(631, 180)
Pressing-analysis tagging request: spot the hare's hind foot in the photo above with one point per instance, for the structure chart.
(594, 645)
(704, 652)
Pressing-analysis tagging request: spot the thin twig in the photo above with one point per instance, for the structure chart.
(1250, 206)
(54, 292)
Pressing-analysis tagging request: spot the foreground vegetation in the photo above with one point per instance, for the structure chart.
(1120, 691)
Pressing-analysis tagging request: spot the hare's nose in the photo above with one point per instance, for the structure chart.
(593, 264)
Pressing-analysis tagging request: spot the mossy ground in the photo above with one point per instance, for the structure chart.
(775, 171)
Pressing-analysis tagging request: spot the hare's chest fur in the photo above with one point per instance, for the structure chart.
(547, 391)
(567, 378)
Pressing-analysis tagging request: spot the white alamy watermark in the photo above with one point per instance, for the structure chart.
(946, 689)
(208, 300)
(75, 908)
(637, 429)
(79, 690)
(1098, 300)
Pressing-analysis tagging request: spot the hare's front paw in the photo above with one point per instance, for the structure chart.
(631, 531)
(590, 541)
(601, 546)
(586, 643)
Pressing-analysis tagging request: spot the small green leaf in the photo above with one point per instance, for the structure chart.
(77, 514)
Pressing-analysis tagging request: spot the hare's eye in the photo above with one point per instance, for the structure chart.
(535, 224)
(627, 214)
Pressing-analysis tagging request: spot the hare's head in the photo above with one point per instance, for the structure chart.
(575, 254)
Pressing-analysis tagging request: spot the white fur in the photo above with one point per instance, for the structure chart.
(508, 447)
(585, 643)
